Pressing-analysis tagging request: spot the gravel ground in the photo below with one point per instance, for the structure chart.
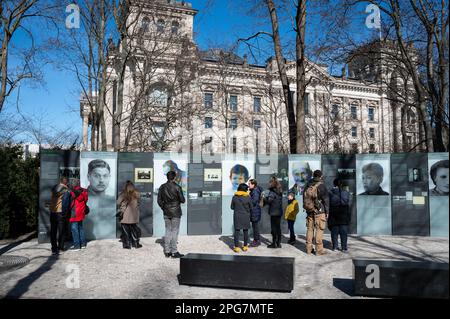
(108, 271)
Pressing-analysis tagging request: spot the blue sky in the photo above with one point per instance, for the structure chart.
(218, 24)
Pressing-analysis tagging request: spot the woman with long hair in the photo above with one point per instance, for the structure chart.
(274, 200)
(128, 203)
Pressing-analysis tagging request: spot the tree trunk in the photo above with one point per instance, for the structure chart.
(301, 75)
(283, 77)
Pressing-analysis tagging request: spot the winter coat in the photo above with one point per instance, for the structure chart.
(56, 198)
(255, 195)
(339, 213)
(291, 210)
(241, 204)
(170, 196)
(274, 200)
(322, 194)
(78, 202)
(130, 210)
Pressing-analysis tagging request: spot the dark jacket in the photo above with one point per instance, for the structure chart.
(274, 200)
(322, 194)
(339, 207)
(255, 195)
(170, 196)
(241, 204)
(379, 191)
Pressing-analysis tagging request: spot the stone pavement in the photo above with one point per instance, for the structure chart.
(108, 271)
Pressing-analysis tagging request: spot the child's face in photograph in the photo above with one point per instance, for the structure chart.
(371, 182)
(237, 179)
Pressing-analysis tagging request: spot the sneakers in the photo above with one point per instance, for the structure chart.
(291, 242)
(168, 255)
(83, 247)
(237, 249)
(321, 253)
(245, 248)
(177, 255)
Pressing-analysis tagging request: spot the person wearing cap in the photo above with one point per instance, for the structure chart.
(290, 214)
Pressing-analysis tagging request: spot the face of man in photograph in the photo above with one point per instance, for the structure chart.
(302, 174)
(371, 182)
(99, 179)
(442, 180)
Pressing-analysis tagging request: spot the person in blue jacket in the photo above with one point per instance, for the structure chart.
(255, 217)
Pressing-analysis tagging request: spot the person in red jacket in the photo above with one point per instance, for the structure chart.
(79, 198)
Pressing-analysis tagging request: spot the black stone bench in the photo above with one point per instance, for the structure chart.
(245, 272)
(397, 278)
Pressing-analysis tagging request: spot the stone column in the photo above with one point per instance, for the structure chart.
(85, 131)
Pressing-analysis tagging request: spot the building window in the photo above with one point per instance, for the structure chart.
(354, 131)
(160, 25)
(371, 114)
(234, 145)
(371, 148)
(353, 112)
(306, 103)
(158, 96)
(256, 124)
(233, 123)
(371, 132)
(208, 98)
(145, 25)
(208, 144)
(208, 122)
(410, 140)
(233, 103)
(256, 104)
(336, 147)
(175, 27)
(334, 111)
(354, 148)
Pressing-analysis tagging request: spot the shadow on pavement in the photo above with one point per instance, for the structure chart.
(345, 285)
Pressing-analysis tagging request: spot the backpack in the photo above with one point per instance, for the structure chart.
(311, 201)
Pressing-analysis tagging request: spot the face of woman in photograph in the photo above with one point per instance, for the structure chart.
(441, 180)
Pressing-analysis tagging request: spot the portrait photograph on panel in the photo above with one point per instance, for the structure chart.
(438, 177)
(98, 176)
(300, 173)
(235, 173)
(373, 178)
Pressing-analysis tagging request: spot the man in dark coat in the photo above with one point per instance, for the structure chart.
(241, 204)
(170, 198)
(339, 216)
(255, 218)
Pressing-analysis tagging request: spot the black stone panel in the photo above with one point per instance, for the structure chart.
(54, 164)
(416, 279)
(204, 201)
(127, 163)
(243, 272)
(344, 167)
(409, 189)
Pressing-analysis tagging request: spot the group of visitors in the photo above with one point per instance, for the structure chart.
(68, 204)
(321, 207)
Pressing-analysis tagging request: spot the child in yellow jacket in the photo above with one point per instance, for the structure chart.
(290, 214)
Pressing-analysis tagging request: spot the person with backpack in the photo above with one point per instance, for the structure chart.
(339, 216)
(241, 204)
(256, 196)
(79, 210)
(60, 194)
(128, 202)
(290, 215)
(274, 200)
(315, 203)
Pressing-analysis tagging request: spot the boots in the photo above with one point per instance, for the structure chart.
(278, 237)
(126, 237)
(274, 242)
